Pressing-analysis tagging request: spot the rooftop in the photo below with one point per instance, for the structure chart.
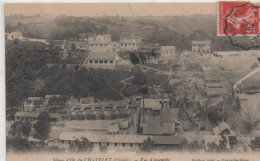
(201, 42)
(154, 104)
(102, 56)
(168, 48)
(216, 89)
(34, 114)
(129, 41)
(97, 42)
(105, 138)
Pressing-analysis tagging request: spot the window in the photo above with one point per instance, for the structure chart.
(125, 44)
(115, 144)
(99, 144)
(111, 61)
(139, 145)
(62, 141)
(131, 145)
(106, 61)
(133, 44)
(107, 144)
(80, 46)
(101, 61)
(91, 61)
(96, 61)
(18, 118)
(121, 44)
(123, 144)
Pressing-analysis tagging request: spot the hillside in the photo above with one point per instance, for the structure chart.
(167, 30)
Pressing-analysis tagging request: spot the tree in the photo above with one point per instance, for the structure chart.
(147, 145)
(134, 59)
(17, 144)
(248, 124)
(153, 53)
(238, 104)
(103, 148)
(142, 58)
(255, 144)
(20, 130)
(82, 145)
(195, 146)
(16, 41)
(213, 147)
(214, 115)
(73, 47)
(42, 127)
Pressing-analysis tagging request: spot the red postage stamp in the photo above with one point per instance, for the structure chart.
(238, 18)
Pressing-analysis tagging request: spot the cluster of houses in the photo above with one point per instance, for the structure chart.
(103, 43)
(14, 35)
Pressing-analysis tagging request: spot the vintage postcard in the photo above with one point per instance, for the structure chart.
(128, 81)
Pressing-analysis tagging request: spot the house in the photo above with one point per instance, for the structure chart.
(215, 90)
(105, 60)
(100, 46)
(104, 37)
(168, 52)
(88, 100)
(201, 46)
(78, 44)
(32, 103)
(33, 116)
(86, 36)
(14, 35)
(117, 142)
(151, 106)
(223, 129)
(129, 44)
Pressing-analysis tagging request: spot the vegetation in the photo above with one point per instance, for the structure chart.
(147, 145)
(215, 115)
(19, 133)
(20, 130)
(82, 145)
(195, 146)
(42, 127)
(255, 144)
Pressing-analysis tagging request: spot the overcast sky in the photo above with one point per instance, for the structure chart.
(111, 9)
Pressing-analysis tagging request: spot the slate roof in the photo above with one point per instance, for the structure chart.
(34, 98)
(105, 138)
(167, 128)
(102, 56)
(35, 114)
(91, 42)
(169, 140)
(168, 48)
(129, 41)
(201, 42)
(216, 89)
(154, 104)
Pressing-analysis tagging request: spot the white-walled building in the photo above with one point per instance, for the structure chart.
(129, 44)
(117, 142)
(168, 52)
(105, 60)
(201, 46)
(14, 35)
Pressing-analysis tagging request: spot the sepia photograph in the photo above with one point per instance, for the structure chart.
(132, 81)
